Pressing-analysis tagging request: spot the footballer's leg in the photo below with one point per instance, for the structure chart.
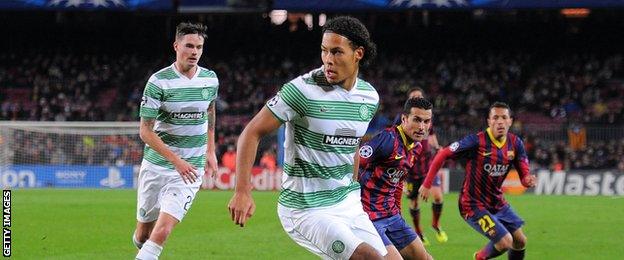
(405, 239)
(489, 226)
(153, 247)
(393, 253)
(365, 251)
(436, 210)
(519, 244)
(148, 192)
(142, 233)
(415, 250)
(414, 209)
(513, 223)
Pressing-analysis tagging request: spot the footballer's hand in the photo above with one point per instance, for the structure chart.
(187, 171)
(424, 193)
(529, 181)
(211, 165)
(241, 207)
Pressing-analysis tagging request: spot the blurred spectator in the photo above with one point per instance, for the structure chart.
(228, 160)
(268, 161)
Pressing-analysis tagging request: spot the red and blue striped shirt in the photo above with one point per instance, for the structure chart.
(385, 161)
(487, 162)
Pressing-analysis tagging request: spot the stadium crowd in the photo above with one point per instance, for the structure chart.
(551, 90)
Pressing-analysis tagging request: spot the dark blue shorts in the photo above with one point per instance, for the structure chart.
(394, 231)
(495, 226)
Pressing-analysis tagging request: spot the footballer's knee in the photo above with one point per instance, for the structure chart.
(504, 243)
(163, 230)
(143, 231)
(519, 241)
(413, 204)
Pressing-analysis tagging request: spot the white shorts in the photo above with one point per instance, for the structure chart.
(332, 232)
(164, 192)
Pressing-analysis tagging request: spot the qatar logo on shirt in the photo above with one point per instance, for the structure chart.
(496, 170)
(395, 174)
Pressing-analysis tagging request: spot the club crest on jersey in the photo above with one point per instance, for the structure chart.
(273, 101)
(365, 113)
(205, 93)
(454, 146)
(496, 169)
(510, 155)
(366, 151)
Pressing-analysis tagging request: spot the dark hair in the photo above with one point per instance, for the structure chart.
(356, 32)
(191, 28)
(417, 103)
(498, 104)
(416, 89)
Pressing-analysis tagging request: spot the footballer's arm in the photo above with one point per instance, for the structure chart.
(211, 156)
(241, 205)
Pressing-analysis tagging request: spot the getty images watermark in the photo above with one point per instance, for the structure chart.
(6, 223)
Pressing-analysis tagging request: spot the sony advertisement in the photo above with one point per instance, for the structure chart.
(66, 176)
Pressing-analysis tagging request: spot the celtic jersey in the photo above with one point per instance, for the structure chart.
(324, 125)
(180, 107)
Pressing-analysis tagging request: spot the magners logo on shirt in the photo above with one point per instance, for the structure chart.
(341, 140)
(187, 115)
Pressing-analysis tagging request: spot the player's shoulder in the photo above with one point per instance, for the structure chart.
(386, 136)
(364, 85)
(312, 81)
(311, 85)
(206, 73)
(514, 138)
(165, 73)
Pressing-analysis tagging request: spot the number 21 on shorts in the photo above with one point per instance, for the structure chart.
(486, 223)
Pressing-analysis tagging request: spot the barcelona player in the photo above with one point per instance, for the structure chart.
(384, 163)
(489, 155)
(416, 177)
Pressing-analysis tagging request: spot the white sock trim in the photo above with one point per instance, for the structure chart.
(150, 251)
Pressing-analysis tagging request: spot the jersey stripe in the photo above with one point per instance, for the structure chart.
(324, 198)
(302, 168)
(148, 112)
(154, 157)
(168, 73)
(183, 141)
(294, 98)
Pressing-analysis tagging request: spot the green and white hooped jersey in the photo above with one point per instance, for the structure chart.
(180, 107)
(324, 126)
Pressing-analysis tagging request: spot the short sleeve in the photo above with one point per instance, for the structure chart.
(152, 99)
(288, 104)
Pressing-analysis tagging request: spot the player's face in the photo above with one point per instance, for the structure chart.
(189, 49)
(340, 61)
(415, 94)
(416, 124)
(499, 121)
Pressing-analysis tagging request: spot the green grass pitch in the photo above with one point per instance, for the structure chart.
(97, 224)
